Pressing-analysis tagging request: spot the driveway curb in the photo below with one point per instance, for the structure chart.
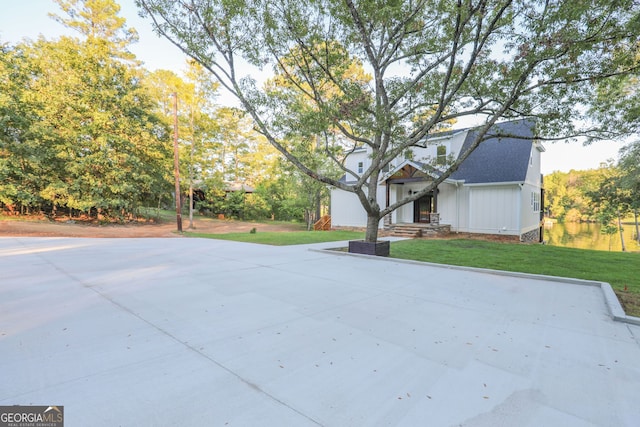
(616, 311)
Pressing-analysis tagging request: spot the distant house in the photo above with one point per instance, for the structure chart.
(497, 190)
(231, 187)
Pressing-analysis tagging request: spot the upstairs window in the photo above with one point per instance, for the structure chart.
(360, 167)
(441, 158)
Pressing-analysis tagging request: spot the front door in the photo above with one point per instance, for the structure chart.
(422, 209)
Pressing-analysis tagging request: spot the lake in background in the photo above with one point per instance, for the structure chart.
(588, 236)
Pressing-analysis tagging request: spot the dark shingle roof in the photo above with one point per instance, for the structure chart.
(501, 158)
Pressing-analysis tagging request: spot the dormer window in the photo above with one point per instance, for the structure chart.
(441, 159)
(360, 167)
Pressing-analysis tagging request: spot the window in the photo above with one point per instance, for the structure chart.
(442, 155)
(535, 201)
(360, 167)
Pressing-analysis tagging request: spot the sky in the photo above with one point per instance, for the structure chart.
(29, 19)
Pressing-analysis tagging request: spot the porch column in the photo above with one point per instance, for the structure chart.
(435, 200)
(386, 185)
(387, 219)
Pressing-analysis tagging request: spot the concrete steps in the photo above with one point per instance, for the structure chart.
(408, 231)
(412, 231)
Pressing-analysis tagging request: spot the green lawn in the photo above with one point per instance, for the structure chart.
(279, 238)
(25, 218)
(158, 214)
(617, 268)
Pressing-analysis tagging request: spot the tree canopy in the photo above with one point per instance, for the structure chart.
(97, 19)
(435, 60)
(79, 130)
(85, 131)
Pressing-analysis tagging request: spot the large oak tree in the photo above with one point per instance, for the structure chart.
(435, 60)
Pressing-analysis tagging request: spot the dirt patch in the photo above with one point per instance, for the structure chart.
(46, 228)
(630, 302)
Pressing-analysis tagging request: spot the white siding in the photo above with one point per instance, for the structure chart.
(530, 219)
(405, 212)
(393, 197)
(456, 143)
(491, 210)
(448, 200)
(352, 163)
(460, 221)
(346, 210)
(429, 153)
(533, 173)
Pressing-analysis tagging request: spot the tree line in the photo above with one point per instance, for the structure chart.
(86, 131)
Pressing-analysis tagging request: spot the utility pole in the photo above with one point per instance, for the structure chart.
(176, 162)
(193, 146)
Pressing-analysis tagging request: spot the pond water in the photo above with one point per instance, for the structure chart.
(589, 236)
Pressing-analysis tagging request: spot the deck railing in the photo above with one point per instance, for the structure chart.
(323, 223)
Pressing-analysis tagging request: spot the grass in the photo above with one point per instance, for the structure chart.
(279, 238)
(158, 214)
(4, 217)
(620, 269)
(169, 215)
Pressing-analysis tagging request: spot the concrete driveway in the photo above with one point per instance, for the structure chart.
(192, 332)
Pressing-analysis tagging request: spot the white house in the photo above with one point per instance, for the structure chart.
(496, 190)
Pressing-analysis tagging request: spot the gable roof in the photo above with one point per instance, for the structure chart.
(503, 157)
(415, 168)
(418, 166)
(238, 186)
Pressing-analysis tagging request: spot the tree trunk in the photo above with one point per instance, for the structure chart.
(318, 200)
(309, 218)
(635, 216)
(624, 249)
(372, 228)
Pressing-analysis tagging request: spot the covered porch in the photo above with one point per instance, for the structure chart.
(404, 181)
